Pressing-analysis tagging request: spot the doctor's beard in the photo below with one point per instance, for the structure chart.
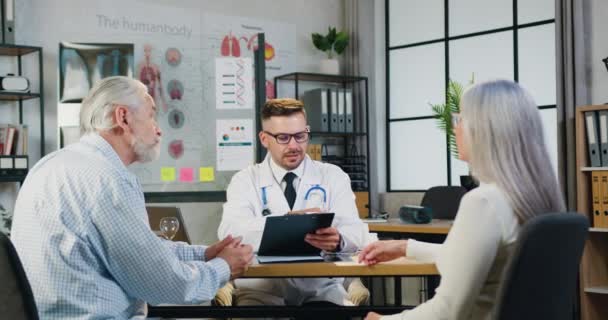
(145, 152)
(289, 154)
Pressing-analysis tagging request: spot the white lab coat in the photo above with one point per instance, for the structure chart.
(243, 217)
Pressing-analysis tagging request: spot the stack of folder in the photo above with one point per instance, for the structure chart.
(596, 123)
(599, 190)
(329, 110)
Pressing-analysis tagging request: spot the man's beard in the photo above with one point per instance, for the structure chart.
(145, 152)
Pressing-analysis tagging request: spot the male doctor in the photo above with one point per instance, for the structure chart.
(289, 181)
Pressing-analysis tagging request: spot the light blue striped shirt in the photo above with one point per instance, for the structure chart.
(82, 233)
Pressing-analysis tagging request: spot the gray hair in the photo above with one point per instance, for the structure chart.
(100, 103)
(506, 146)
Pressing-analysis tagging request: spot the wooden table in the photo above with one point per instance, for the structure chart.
(397, 267)
(403, 267)
(435, 232)
(436, 226)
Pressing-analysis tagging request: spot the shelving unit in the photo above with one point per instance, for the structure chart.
(18, 51)
(359, 137)
(594, 264)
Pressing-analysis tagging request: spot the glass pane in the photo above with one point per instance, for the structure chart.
(549, 118)
(487, 57)
(537, 70)
(537, 10)
(407, 16)
(459, 168)
(468, 16)
(417, 155)
(417, 77)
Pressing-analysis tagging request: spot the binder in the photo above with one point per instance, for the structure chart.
(603, 219)
(314, 151)
(592, 139)
(603, 118)
(333, 110)
(317, 106)
(350, 122)
(596, 195)
(341, 110)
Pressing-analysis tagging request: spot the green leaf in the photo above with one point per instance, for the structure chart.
(320, 42)
(331, 36)
(341, 42)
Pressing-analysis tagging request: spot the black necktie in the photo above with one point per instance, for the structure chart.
(290, 191)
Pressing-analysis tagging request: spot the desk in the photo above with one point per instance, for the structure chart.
(437, 226)
(434, 232)
(402, 267)
(397, 267)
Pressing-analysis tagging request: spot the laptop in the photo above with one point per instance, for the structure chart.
(283, 238)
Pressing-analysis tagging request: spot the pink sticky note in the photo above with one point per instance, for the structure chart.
(186, 174)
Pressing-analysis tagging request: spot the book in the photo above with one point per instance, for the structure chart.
(8, 142)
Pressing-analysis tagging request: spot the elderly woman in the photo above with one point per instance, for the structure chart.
(499, 133)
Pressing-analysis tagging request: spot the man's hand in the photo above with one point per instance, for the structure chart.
(212, 250)
(373, 316)
(305, 211)
(383, 251)
(238, 256)
(326, 239)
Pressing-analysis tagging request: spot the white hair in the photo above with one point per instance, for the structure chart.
(100, 103)
(506, 146)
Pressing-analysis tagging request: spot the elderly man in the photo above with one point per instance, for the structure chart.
(81, 227)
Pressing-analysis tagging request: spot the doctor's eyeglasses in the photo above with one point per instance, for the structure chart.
(284, 138)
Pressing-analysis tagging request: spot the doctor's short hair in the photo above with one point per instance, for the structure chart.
(282, 108)
(99, 105)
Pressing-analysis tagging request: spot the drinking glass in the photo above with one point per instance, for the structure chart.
(168, 227)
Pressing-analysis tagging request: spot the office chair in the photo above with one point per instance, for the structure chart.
(443, 201)
(540, 280)
(16, 298)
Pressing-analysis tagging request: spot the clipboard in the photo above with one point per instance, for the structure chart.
(283, 237)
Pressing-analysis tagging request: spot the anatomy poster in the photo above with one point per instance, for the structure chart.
(234, 140)
(174, 55)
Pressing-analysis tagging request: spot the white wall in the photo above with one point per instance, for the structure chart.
(33, 28)
(599, 50)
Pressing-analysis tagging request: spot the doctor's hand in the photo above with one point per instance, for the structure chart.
(212, 250)
(305, 211)
(373, 316)
(326, 239)
(383, 251)
(238, 257)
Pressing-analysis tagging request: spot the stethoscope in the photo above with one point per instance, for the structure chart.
(307, 196)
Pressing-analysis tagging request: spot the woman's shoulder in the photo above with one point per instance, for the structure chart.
(489, 198)
(486, 191)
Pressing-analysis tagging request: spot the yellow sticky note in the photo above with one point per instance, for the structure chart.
(167, 174)
(206, 174)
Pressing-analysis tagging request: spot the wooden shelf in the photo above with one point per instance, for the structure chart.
(598, 290)
(15, 50)
(305, 76)
(12, 178)
(16, 96)
(337, 134)
(584, 169)
(594, 263)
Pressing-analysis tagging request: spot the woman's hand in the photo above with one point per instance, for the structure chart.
(383, 251)
(373, 316)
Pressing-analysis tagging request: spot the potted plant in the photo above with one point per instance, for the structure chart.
(332, 42)
(443, 115)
